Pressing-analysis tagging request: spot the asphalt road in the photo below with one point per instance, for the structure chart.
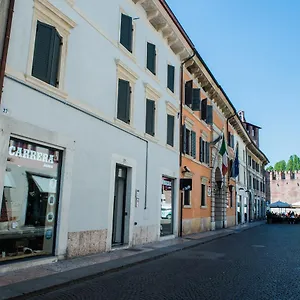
(260, 263)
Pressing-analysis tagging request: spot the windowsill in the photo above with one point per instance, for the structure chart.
(172, 94)
(203, 206)
(151, 138)
(208, 126)
(154, 76)
(124, 125)
(45, 87)
(187, 206)
(188, 109)
(172, 148)
(127, 52)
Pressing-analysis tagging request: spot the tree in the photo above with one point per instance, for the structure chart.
(291, 164)
(296, 163)
(280, 166)
(270, 169)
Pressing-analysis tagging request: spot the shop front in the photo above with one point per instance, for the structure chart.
(167, 206)
(30, 199)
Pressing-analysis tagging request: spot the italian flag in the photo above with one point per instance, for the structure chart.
(223, 152)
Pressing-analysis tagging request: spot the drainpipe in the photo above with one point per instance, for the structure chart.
(6, 44)
(180, 132)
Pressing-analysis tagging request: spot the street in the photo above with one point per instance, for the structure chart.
(260, 263)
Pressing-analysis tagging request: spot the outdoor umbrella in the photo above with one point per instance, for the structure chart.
(280, 204)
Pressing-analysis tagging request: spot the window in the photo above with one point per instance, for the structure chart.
(273, 176)
(204, 109)
(292, 175)
(196, 100)
(189, 93)
(124, 95)
(150, 117)
(282, 175)
(193, 144)
(171, 78)
(204, 151)
(151, 58)
(231, 197)
(203, 195)
(170, 130)
(126, 32)
(209, 119)
(47, 52)
(189, 142)
(187, 197)
(230, 140)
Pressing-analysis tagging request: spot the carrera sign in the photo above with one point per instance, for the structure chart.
(30, 154)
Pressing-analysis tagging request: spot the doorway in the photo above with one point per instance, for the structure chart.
(121, 210)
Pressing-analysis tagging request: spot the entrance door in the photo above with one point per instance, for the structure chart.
(120, 233)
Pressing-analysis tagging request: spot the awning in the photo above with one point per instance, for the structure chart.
(45, 185)
(9, 180)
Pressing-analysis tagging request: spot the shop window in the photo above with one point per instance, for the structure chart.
(126, 32)
(30, 201)
(167, 206)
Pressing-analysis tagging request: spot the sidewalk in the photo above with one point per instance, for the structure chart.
(44, 277)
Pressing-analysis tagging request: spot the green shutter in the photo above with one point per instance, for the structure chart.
(151, 58)
(196, 100)
(193, 143)
(200, 150)
(209, 119)
(207, 152)
(204, 109)
(57, 42)
(171, 77)
(41, 64)
(183, 141)
(189, 93)
(170, 130)
(124, 92)
(126, 32)
(150, 117)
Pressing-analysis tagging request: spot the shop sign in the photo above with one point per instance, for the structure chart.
(30, 154)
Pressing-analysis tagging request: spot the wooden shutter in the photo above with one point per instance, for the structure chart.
(193, 143)
(196, 100)
(209, 119)
(204, 109)
(207, 152)
(170, 130)
(41, 65)
(150, 117)
(124, 92)
(200, 149)
(171, 77)
(189, 93)
(126, 32)
(183, 142)
(151, 58)
(187, 141)
(57, 42)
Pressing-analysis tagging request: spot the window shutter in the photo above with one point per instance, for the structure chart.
(207, 152)
(200, 149)
(57, 42)
(41, 64)
(126, 32)
(171, 77)
(151, 58)
(170, 130)
(150, 117)
(183, 139)
(209, 119)
(193, 142)
(196, 100)
(187, 141)
(204, 109)
(189, 93)
(124, 91)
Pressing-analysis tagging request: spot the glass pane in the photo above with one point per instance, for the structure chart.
(166, 218)
(30, 201)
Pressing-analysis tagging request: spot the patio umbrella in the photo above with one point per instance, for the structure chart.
(280, 204)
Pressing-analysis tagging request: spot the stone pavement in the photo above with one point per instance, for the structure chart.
(61, 273)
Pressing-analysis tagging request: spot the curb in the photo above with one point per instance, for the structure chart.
(42, 285)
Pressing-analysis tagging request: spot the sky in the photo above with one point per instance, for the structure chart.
(252, 47)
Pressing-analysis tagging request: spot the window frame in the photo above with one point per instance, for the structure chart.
(156, 59)
(122, 12)
(45, 12)
(170, 65)
(188, 192)
(172, 111)
(203, 203)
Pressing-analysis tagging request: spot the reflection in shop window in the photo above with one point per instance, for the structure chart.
(29, 201)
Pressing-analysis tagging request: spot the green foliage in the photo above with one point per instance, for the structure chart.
(280, 166)
(292, 165)
(270, 168)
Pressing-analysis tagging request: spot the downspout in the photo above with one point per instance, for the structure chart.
(180, 132)
(6, 44)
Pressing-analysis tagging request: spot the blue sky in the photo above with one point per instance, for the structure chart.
(253, 49)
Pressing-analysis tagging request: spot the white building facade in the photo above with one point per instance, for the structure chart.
(89, 127)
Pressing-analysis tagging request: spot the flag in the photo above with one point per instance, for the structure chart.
(223, 152)
(236, 163)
